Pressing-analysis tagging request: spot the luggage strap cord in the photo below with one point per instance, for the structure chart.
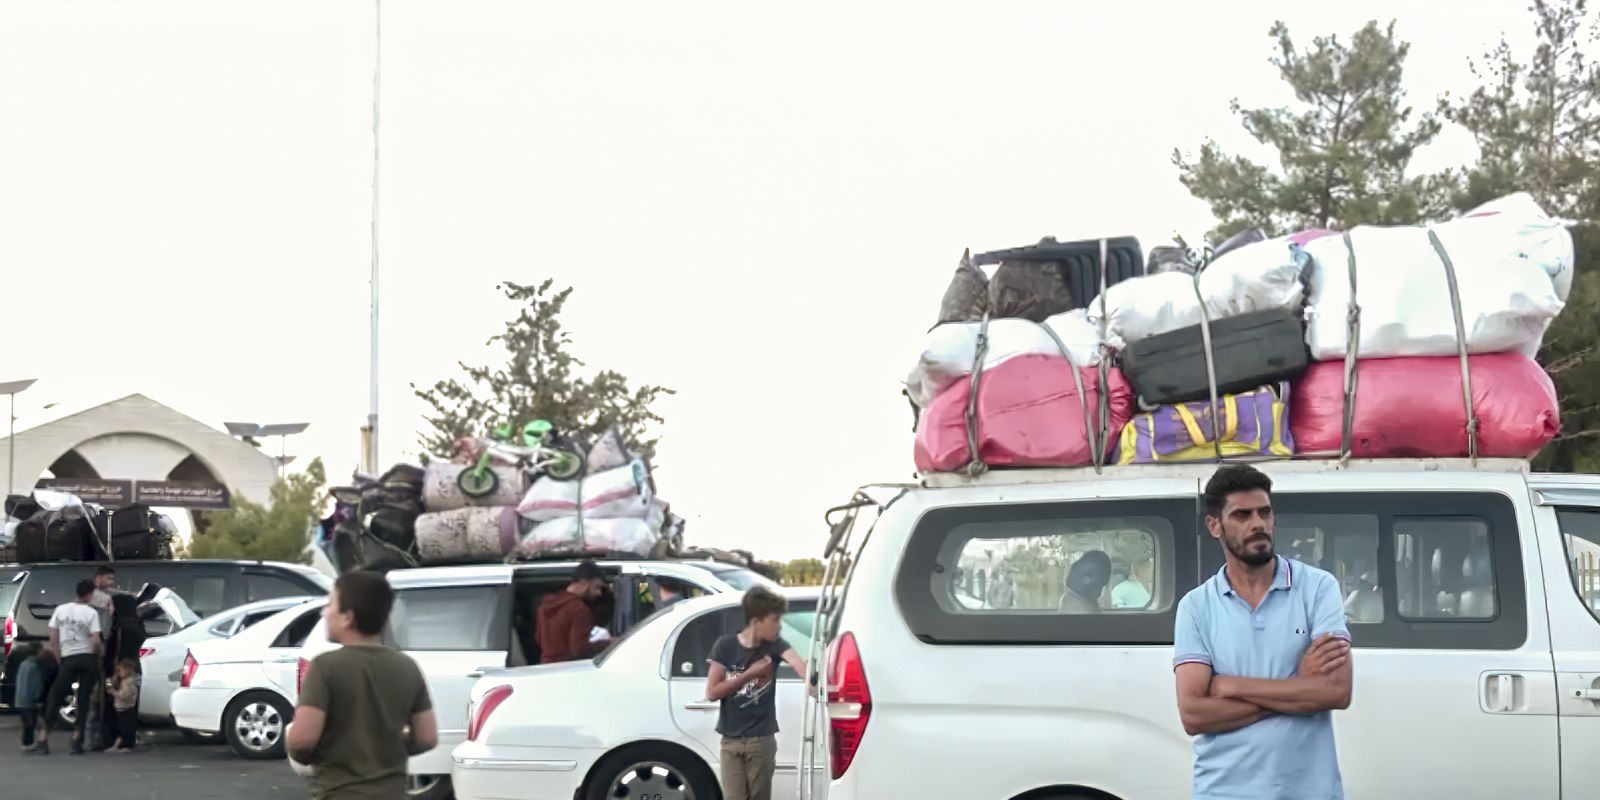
(1352, 349)
(976, 467)
(1089, 433)
(1461, 345)
(1211, 366)
(1102, 434)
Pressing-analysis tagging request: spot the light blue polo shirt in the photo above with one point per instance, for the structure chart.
(1283, 756)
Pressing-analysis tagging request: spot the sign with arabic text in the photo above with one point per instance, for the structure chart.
(108, 493)
(115, 494)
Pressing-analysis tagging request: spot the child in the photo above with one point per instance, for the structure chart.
(740, 676)
(125, 698)
(34, 679)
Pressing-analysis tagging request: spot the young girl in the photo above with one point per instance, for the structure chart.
(125, 697)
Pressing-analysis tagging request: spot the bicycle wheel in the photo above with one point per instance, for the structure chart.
(478, 482)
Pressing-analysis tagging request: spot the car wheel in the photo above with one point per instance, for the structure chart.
(429, 787)
(651, 772)
(200, 737)
(255, 723)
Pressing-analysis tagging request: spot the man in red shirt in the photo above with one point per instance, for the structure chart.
(565, 620)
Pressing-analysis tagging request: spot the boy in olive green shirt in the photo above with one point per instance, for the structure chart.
(364, 709)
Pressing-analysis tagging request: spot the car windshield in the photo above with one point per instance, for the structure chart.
(737, 577)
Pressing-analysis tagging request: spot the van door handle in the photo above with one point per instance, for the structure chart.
(1498, 693)
(702, 705)
(1586, 694)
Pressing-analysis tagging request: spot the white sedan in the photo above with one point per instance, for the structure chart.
(161, 658)
(245, 687)
(632, 723)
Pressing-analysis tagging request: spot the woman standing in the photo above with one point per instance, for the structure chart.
(126, 637)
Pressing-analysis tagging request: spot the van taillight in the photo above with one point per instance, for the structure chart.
(490, 701)
(189, 667)
(849, 703)
(300, 674)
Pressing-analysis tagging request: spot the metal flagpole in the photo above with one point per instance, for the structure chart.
(370, 457)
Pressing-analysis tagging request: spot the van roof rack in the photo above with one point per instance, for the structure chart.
(1023, 476)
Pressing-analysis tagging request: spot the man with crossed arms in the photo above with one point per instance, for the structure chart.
(1262, 658)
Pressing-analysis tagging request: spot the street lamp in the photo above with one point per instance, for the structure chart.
(13, 388)
(248, 431)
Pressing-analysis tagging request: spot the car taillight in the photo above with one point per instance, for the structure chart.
(146, 651)
(849, 703)
(490, 701)
(11, 634)
(189, 667)
(300, 674)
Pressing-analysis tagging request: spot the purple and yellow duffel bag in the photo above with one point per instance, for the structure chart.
(1253, 423)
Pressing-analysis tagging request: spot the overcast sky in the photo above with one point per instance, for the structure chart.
(758, 204)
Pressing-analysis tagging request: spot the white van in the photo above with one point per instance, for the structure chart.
(458, 623)
(1472, 597)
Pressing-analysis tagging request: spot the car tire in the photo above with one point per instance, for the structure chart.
(201, 737)
(653, 770)
(255, 723)
(429, 787)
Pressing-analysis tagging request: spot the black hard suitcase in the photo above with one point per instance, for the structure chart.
(132, 519)
(1078, 264)
(1249, 351)
(133, 545)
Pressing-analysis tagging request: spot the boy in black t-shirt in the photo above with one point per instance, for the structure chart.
(741, 677)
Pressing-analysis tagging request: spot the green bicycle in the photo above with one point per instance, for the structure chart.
(541, 452)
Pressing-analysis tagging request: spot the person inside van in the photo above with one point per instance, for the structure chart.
(1261, 657)
(669, 591)
(1086, 580)
(564, 623)
(1132, 589)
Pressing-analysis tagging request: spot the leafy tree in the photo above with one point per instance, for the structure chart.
(1342, 155)
(802, 572)
(279, 531)
(1571, 354)
(541, 380)
(1537, 124)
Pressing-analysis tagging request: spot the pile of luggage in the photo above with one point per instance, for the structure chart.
(57, 526)
(415, 516)
(1378, 342)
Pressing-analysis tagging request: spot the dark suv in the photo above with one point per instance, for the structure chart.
(207, 586)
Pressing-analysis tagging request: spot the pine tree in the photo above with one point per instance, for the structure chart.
(1342, 155)
(1537, 124)
(541, 380)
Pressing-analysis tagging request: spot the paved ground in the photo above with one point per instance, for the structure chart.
(169, 768)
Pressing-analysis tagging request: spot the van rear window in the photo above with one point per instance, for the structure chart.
(1050, 573)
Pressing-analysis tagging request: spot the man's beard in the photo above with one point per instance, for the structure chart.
(1252, 558)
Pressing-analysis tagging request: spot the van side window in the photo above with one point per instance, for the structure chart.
(209, 595)
(1111, 570)
(1444, 568)
(1077, 572)
(1580, 532)
(1418, 569)
(453, 618)
(1345, 545)
(262, 586)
